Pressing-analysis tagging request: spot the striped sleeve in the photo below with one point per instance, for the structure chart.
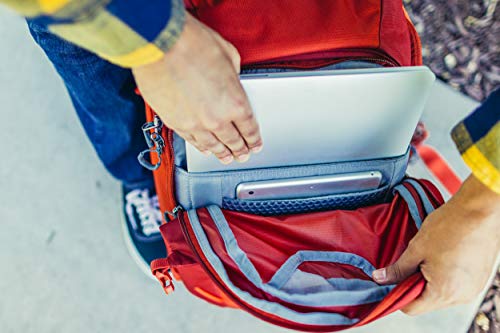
(129, 33)
(478, 139)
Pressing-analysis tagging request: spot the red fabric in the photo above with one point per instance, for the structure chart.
(274, 31)
(398, 298)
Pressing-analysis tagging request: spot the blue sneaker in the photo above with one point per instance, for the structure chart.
(141, 227)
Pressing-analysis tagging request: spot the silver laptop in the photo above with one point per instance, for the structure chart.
(329, 116)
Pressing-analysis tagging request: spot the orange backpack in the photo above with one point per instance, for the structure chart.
(257, 262)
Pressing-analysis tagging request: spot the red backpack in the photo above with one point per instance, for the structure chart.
(304, 264)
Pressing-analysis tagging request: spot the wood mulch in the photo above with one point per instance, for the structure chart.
(461, 44)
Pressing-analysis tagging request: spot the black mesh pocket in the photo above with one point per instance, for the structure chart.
(347, 201)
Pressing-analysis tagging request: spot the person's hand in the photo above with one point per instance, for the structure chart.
(195, 90)
(455, 250)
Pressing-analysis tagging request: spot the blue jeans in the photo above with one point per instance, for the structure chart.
(109, 109)
(105, 101)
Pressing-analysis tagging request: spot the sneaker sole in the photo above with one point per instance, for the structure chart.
(132, 250)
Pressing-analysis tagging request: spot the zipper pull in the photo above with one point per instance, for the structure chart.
(166, 280)
(155, 142)
(171, 215)
(160, 268)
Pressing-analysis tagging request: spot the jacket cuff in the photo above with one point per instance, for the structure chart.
(479, 160)
(128, 33)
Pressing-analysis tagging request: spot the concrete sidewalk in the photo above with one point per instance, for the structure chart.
(64, 266)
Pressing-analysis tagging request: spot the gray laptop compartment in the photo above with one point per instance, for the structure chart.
(196, 190)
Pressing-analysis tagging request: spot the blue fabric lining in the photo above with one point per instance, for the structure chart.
(429, 208)
(307, 283)
(352, 284)
(310, 318)
(337, 298)
(412, 205)
(283, 274)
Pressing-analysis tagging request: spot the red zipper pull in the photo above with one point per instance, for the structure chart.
(159, 268)
(165, 280)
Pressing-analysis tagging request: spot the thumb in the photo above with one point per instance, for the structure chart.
(406, 265)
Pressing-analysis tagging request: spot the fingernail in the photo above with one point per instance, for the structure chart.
(256, 149)
(206, 152)
(380, 275)
(243, 158)
(227, 159)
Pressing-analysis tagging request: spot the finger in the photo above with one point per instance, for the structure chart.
(244, 119)
(426, 302)
(232, 139)
(406, 265)
(209, 142)
(192, 140)
(247, 125)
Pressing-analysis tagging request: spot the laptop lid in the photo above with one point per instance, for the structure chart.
(329, 116)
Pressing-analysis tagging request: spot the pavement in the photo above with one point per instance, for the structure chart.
(64, 265)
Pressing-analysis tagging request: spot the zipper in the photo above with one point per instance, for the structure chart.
(155, 142)
(170, 139)
(336, 56)
(379, 60)
(379, 56)
(203, 262)
(172, 215)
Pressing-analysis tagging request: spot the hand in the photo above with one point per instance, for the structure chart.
(455, 250)
(195, 90)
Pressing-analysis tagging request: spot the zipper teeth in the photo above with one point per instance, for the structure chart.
(170, 138)
(377, 57)
(381, 60)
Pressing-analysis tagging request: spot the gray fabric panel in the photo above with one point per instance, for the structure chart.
(196, 190)
(284, 273)
(307, 283)
(429, 208)
(412, 205)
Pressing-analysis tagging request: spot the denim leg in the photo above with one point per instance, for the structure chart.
(104, 99)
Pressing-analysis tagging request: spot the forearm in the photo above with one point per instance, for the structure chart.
(480, 199)
(480, 207)
(129, 33)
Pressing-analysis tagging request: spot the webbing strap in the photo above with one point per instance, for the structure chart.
(412, 204)
(440, 168)
(434, 161)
